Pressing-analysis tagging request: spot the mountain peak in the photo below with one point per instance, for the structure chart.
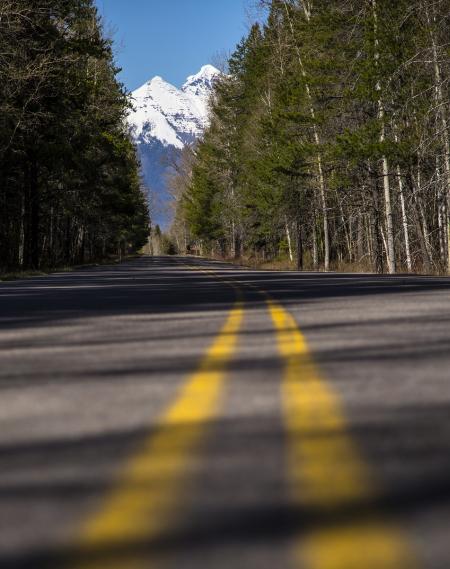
(164, 119)
(205, 76)
(207, 72)
(156, 79)
(200, 85)
(173, 116)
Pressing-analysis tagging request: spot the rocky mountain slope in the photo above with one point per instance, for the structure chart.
(163, 121)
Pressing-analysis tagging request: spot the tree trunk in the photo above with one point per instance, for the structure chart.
(442, 217)
(390, 249)
(299, 247)
(288, 237)
(442, 106)
(426, 261)
(31, 216)
(360, 237)
(377, 242)
(317, 141)
(404, 221)
(233, 240)
(314, 238)
(34, 210)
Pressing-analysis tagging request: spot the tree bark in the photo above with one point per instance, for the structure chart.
(289, 242)
(441, 105)
(390, 249)
(316, 138)
(377, 241)
(404, 221)
(299, 247)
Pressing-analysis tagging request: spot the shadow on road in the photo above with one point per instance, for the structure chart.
(407, 445)
(162, 286)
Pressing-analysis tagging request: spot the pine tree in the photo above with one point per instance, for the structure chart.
(331, 126)
(69, 182)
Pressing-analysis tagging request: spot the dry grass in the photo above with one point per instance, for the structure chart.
(283, 264)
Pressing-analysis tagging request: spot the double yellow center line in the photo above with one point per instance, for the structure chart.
(326, 473)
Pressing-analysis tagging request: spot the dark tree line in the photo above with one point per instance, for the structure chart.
(329, 140)
(69, 179)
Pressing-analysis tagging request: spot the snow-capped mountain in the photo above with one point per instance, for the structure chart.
(164, 119)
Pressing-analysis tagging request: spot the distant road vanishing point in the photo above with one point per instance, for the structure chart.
(185, 413)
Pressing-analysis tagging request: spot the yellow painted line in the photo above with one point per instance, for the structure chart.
(144, 503)
(327, 474)
(214, 275)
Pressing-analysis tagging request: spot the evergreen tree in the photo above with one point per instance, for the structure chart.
(329, 139)
(69, 182)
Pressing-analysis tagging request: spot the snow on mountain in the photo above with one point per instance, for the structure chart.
(164, 119)
(173, 116)
(199, 86)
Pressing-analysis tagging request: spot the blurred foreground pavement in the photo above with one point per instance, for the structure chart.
(175, 412)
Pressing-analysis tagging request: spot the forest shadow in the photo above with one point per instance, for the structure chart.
(414, 487)
(161, 286)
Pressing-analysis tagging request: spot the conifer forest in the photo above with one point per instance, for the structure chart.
(70, 189)
(329, 141)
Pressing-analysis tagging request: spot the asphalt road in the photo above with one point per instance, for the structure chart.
(181, 413)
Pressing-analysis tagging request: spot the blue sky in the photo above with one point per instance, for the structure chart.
(171, 38)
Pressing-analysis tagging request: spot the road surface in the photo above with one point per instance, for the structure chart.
(183, 413)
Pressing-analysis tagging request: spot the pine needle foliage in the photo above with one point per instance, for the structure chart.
(329, 140)
(70, 190)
